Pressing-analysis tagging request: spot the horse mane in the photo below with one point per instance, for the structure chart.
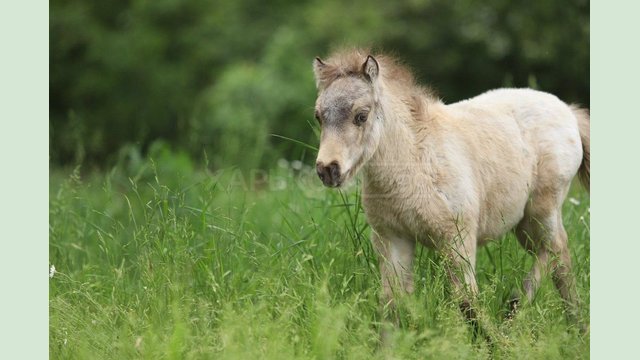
(349, 62)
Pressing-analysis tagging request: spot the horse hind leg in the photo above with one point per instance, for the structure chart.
(531, 234)
(563, 278)
(543, 235)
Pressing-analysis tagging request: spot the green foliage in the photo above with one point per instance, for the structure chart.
(218, 77)
(233, 117)
(160, 258)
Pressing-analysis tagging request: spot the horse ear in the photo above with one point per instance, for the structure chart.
(370, 68)
(318, 66)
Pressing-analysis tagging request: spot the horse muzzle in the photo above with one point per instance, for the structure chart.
(329, 174)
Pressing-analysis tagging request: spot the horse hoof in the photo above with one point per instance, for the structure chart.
(513, 308)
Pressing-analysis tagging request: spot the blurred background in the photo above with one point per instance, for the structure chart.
(213, 80)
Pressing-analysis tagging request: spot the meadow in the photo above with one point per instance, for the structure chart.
(163, 258)
(160, 249)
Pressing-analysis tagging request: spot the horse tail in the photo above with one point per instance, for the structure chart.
(583, 126)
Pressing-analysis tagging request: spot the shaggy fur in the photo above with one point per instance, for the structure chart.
(450, 176)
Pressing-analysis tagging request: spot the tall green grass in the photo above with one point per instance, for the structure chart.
(167, 261)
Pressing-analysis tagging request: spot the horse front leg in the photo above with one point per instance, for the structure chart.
(460, 262)
(395, 257)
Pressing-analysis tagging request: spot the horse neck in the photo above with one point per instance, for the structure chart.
(398, 149)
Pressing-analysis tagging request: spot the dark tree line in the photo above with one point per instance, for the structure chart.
(221, 76)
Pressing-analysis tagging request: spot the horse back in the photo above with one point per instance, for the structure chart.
(518, 142)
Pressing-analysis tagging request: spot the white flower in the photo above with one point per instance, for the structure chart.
(574, 201)
(296, 164)
(280, 184)
(52, 271)
(283, 163)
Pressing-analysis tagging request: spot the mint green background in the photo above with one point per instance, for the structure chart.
(615, 242)
(24, 72)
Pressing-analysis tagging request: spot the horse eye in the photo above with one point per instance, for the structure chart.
(360, 118)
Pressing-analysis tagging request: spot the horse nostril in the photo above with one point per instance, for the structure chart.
(334, 170)
(330, 175)
(321, 170)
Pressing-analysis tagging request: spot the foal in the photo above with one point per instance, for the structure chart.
(451, 176)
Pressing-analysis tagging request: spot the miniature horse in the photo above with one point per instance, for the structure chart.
(450, 176)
